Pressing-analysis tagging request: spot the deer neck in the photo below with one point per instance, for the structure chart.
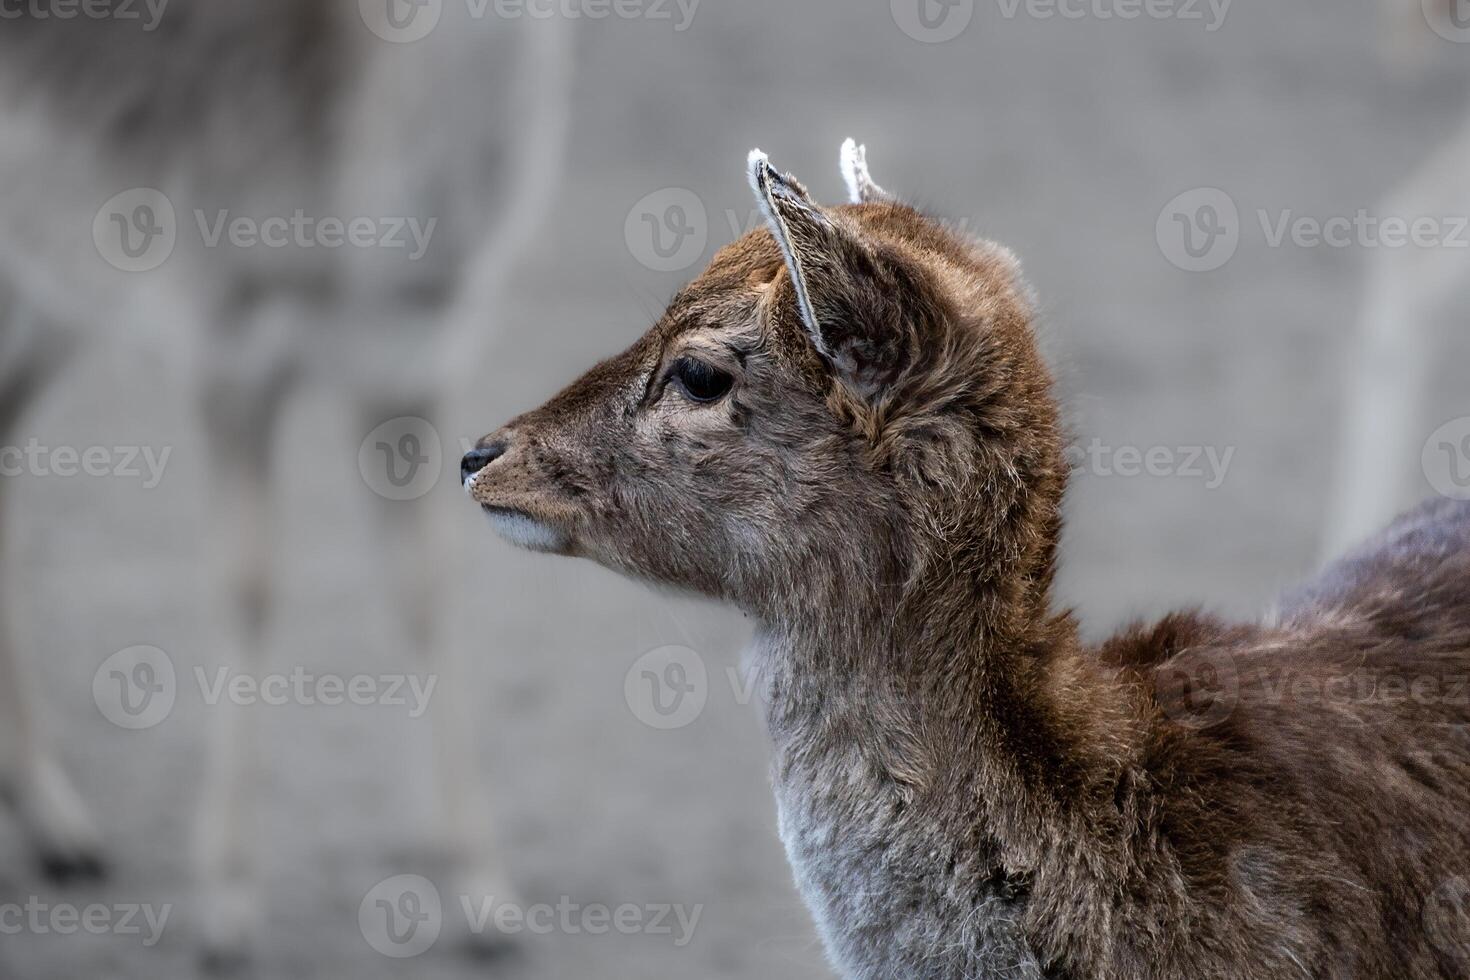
(957, 705)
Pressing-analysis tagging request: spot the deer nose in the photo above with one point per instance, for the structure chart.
(478, 458)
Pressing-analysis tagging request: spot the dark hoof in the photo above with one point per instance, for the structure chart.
(66, 869)
(223, 962)
(487, 948)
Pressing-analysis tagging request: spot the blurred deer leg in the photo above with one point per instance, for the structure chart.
(49, 810)
(1378, 455)
(238, 428)
(1382, 441)
(421, 547)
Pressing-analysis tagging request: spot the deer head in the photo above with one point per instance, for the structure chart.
(847, 399)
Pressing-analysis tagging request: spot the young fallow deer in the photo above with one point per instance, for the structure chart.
(844, 428)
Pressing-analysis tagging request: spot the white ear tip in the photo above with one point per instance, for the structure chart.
(755, 165)
(854, 168)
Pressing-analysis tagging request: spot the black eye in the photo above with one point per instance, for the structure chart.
(701, 382)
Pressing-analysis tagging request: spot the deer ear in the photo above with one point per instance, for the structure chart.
(860, 186)
(845, 296)
(802, 230)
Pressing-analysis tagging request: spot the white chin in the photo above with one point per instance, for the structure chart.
(525, 531)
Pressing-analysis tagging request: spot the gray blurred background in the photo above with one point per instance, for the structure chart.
(1065, 138)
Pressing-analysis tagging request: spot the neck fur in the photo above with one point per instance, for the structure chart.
(959, 689)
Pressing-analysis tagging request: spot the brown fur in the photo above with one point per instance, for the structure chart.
(966, 789)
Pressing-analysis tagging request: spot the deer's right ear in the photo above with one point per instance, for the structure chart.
(842, 295)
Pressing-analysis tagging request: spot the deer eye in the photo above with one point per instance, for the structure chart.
(701, 382)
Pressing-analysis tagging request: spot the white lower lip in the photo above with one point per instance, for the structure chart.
(525, 531)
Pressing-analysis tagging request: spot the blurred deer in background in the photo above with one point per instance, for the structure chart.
(276, 107)
(1393, 351)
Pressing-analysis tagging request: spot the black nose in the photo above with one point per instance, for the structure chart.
(478, 458)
